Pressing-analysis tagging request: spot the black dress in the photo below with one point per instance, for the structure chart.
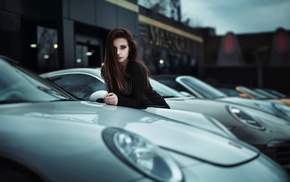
(138, 94)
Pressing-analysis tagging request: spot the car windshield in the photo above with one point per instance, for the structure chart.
(279, 94)
(267, 94)
(19, 85)
(164, 90)
(251, 92)
(202, 88)
(229, 92)
(79, 85)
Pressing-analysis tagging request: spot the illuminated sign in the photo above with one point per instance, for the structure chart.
(159, 37)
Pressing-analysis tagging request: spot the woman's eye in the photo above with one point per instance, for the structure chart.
(122, 47)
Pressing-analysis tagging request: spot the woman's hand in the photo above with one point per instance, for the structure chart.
(111, 99)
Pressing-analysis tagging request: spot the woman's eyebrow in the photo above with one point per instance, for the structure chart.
(122, 45)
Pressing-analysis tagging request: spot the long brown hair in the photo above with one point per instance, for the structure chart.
(112, 71)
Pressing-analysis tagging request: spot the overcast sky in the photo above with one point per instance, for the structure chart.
(239, 16)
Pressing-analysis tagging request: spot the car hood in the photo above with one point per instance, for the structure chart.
(216, 106)
(269, 106)
(166, 133)
(275, 128)
(247, 102)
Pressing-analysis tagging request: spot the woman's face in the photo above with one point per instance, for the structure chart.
(122, 50)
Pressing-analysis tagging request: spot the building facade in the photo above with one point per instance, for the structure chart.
(47, 35)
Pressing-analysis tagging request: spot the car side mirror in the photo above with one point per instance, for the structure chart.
(98, 96)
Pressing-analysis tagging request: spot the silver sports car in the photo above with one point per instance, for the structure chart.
(200, 89)
(267, 132)
(46, 135)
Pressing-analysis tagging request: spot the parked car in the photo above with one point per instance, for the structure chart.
(252, 94)
(37, 146)
(273, 92)
(266, 93)
(200, 89)
(267, 132)
(230, 90)
(47, 135)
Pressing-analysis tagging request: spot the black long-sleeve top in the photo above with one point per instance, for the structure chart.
(139, 94)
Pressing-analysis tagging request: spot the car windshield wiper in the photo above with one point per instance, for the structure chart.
(66, 99)
(169, 96)
(12, 101)
(221, 96)
(52, 92)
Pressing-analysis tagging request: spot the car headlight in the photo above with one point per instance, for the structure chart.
(142, 155)
(246, 118)
(283, 108)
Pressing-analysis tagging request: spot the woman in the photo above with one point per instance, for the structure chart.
(125, 74)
